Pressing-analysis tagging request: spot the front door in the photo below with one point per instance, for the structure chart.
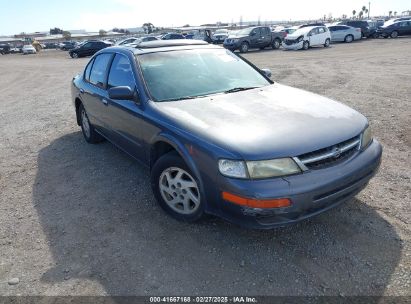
(255, 38)
(125, 115)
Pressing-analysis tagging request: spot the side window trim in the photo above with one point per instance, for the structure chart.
(85, 78)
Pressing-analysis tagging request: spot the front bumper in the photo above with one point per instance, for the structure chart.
(311, 193)
(232, 45)
(295, 46)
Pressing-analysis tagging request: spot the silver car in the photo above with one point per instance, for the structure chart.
(344, 33)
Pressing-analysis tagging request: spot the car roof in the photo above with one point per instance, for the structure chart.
(163, 46)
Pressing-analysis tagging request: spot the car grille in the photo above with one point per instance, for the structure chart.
(290, 42)
(331, 155)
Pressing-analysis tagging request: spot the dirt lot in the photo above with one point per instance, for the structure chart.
(80, 219)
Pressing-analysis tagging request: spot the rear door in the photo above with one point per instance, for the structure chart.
(125, 116)
(265, 36)
(94, 97)
(404, 28)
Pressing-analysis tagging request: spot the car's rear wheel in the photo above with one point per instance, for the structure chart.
(276, 44)
(89, 133)
(394, 34)
(327, 42)
(306, 45)
(176, 188)
(244, 47)
(348, 38)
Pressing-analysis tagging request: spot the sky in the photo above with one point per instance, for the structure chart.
(29, 16)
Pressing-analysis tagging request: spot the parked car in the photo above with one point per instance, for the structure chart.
(221, 138)
(127, 41)
(4, 48)
(311, 24)
(189, 36)
(344, 33)
(362, 24)
(399, 28)
(51, 45)
(289, 30)
(88, 48)
(253, 37)
(307, 37)
(28, 49)
(172, 36)
(220, 35)
(67, 45)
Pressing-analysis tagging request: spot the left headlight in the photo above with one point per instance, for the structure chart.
(272, 168)
(366, 137)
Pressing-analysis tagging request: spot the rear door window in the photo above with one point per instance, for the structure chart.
(98, 74)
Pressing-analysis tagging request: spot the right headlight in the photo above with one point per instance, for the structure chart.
(258, 169)
(366, 137)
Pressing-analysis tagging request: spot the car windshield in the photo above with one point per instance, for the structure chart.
(245, 31)
(193, 73)
(301, 31)
(221, 31)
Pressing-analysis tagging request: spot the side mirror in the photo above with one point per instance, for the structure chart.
(267, 72)
(122, 93)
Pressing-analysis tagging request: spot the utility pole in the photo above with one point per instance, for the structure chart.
(369, 8)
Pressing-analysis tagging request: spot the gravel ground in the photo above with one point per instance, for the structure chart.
(80, 219)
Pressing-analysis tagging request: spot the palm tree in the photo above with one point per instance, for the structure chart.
(360, 14)
(353, 13)
(395, 13)
(389, 14)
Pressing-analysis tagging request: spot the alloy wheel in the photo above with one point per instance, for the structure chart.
(179, 190)
(85, 123)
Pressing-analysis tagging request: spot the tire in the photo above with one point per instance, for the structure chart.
(89, 133)
(176, 188)
(306, 45)
(327, 42)
(244, 47)
(276, 44)
(74, 55)
(349, 38)
(394, 34)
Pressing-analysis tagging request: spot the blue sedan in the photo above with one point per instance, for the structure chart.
(221, 138)
(344, 33)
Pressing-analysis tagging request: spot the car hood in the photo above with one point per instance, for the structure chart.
(234, 36)
(293, 36)
(274, 121)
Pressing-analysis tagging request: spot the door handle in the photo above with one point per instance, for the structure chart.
(104, 101)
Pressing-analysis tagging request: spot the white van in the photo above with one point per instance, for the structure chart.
(306, 37)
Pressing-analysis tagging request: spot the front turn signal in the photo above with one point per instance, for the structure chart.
(256, 203)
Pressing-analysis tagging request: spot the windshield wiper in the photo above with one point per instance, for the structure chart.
(238, 89)
(185, 97)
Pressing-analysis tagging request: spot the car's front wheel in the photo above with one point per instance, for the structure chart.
(176, 188)
(244, 47)
(394, 34)
(306, 45)
(89, 133)
(327, 42)
(74, 55)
